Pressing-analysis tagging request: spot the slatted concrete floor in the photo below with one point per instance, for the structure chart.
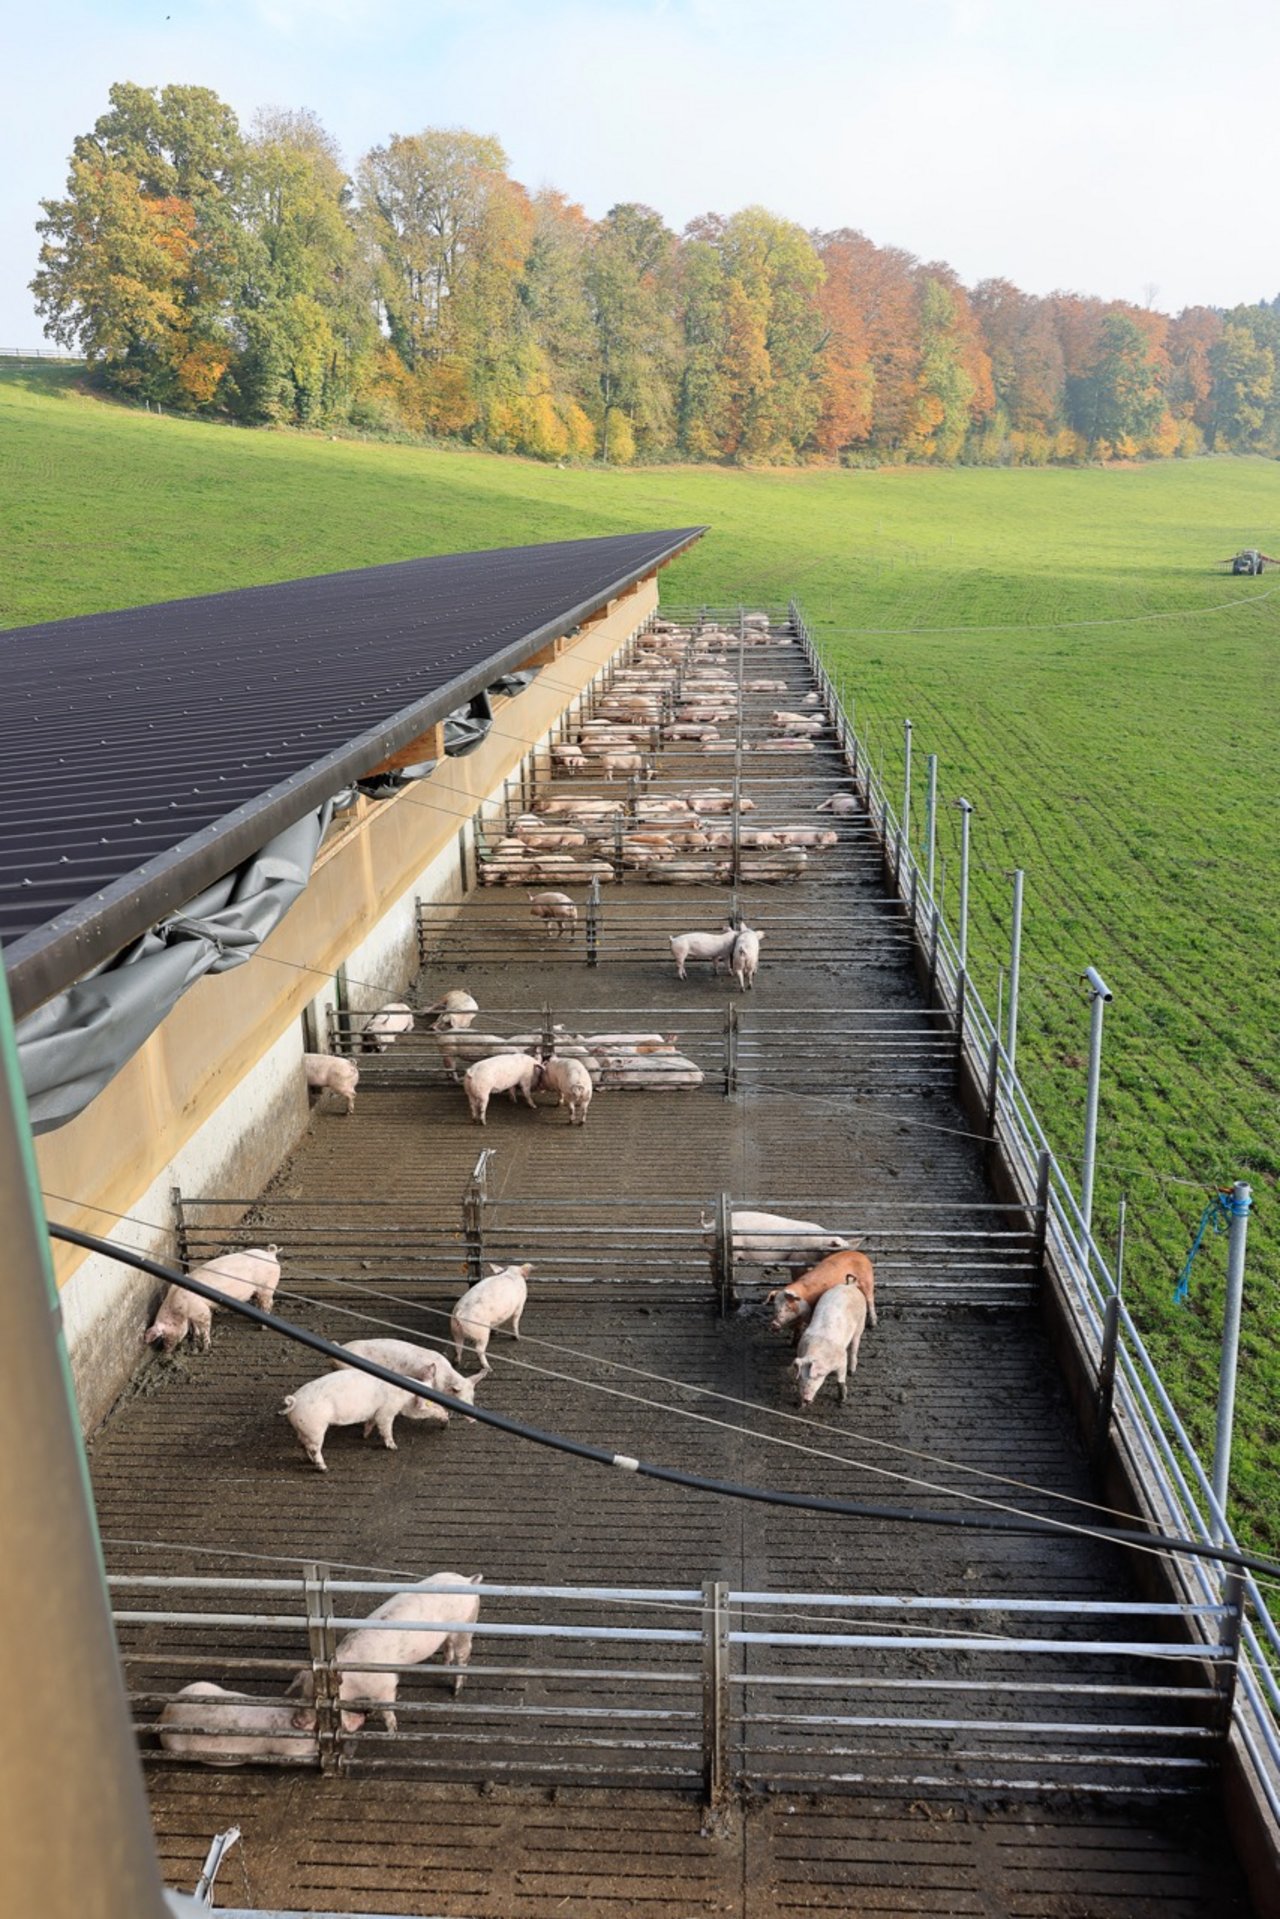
(972, 1386)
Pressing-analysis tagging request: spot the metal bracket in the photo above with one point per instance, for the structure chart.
(322, 1643)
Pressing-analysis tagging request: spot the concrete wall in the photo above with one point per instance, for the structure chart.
(216, 1099)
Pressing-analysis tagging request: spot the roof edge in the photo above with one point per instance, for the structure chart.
(51, 958)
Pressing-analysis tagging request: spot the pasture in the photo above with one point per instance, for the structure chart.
(1101, 692)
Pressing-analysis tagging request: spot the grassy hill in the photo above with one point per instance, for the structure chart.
(1062, 639)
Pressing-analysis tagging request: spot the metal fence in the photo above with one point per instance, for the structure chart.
(947, 1253)
(1145, 1427)
(694, 1686)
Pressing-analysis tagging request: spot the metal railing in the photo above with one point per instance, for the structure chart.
(698, 1685)
(1145, 1427)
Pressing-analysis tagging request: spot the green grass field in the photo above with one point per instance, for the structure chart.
(1062, 639)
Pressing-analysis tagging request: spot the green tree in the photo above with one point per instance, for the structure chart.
(629, 287)
(1118, 398)
(1245, 396)
(304, 308)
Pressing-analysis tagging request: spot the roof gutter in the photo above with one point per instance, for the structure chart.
(54, 956)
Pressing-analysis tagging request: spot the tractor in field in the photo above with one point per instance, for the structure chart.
(1249, 560)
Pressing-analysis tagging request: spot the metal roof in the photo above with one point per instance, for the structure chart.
(144, 753)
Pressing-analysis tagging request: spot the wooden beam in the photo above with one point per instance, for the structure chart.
(427, 746)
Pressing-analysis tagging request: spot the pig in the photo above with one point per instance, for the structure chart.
(771, 1239)
(795, 1302)
(840, 803)
(811, 699)
(235, 1727)
(570, 1081)
(631, 1042)
(468, 1047)
(491, 1302)
(625, 763)
(715, 801)
(456, 1010)
(766, 686)
(829, 1343)
(568, 759)
(807, 836)
(544, 840)
(253, 1274)
(351, 1399)
(744, 957)
(433, 1603)
(716, 947)
(385, 1028)
(787, 744)
(415, 1362)
(557, 909)
(690, 730)
(650, 1072)
(325, 1071)
(656, 808)
(512, 1073)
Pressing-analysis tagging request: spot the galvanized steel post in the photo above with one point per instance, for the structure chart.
(322, 1643)
(904, 824)
(1015, 965)
(1100, 993)
(715, 1695)
(722, 1257)
(593, 921)
(1241, 1201)
(966, 811)
(931, 824)
(1105, 1403)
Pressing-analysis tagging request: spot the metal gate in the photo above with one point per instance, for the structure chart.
(707, 1685)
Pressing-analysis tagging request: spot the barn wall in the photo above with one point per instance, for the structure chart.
(215, 1100)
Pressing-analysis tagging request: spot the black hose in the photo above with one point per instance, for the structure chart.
(670, 1475)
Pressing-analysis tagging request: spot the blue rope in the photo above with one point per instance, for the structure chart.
(1218, 1214)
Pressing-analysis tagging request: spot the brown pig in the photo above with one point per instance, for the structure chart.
(794, 1303)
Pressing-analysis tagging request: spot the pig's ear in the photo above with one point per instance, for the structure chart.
(477, 1579)
(773, 1294)
(497, 1269)
(759, 934)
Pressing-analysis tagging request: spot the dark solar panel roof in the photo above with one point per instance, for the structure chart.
(144, 753)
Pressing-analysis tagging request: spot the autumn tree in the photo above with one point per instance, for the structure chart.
(1193, 335)
(139, 259)
(953, 385)
(846, 379)
(881, 281)
(449, 233)
(1027, 362)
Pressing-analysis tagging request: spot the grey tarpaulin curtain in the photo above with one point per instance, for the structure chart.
(70, 1048)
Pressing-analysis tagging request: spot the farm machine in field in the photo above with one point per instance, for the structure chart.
(1249, 560)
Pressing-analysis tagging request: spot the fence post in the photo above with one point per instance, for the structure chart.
(904, 824)
(180, 1237)
(322, 1644)
(730, 1047)
(1099, 993)
(593, 922)
(1105, 1403)
(715, 1696)
(1042, 1211)
(962, 992)
(933, 953)
(931, 822)
(1015, 969)
(547, 1045)
(723, 1258)
(1228, 1672)
(473, 1201)
(962, 931)
(993, 1095)
(1241, 1201)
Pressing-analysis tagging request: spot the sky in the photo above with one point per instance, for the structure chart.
(1126, 148)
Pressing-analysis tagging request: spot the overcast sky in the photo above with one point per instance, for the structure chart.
(1110, 146)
